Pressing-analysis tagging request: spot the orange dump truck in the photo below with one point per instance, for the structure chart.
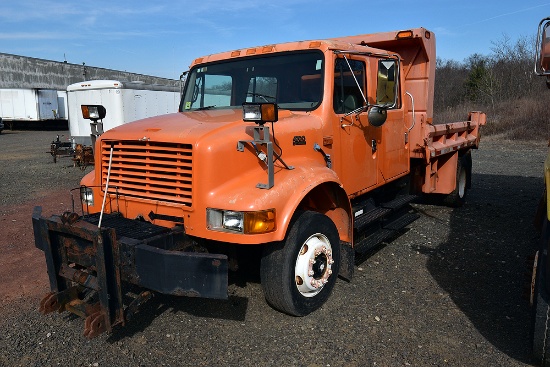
(311, 150)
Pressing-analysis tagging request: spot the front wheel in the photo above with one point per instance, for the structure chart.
(298, 274)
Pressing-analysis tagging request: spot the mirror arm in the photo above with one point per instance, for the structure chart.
(356, 111)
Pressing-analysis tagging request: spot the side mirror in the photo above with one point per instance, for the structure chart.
(377, 116)
(542, 60)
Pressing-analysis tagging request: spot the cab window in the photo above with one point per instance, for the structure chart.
(386, 91)
(348, 95)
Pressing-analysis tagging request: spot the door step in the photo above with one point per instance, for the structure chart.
(375, 224)
(401, 222)
(369, 217)
(399, 202)
(366, 213)
(387, 230)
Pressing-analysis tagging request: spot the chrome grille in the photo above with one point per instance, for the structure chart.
(149, 170)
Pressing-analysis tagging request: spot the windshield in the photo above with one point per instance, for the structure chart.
(292, 80)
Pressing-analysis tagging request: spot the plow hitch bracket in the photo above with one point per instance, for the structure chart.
(92, 270)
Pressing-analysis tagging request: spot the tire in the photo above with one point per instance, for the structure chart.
(457, 198)
(541, 307)
(291, 282)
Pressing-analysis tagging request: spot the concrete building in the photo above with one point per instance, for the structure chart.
(28, 72)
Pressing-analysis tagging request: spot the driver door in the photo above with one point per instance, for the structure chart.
(359, 158)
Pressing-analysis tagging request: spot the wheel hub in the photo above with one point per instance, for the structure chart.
(313, 265)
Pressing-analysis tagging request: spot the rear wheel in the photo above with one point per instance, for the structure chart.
(298, 274)
(463, 172)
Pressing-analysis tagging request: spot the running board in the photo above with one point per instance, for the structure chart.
(364, 217)
(386, 231)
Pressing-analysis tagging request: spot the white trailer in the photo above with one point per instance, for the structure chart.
(124, 102)
(63, 107)
(17, 104)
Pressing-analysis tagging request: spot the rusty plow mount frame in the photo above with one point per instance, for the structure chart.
(81, 155)
(91, 269)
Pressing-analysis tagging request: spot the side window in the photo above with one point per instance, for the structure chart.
(349, 85)
(386, 90)
(210, 91)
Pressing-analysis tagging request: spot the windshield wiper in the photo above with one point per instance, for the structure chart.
(262, 96)
(205, 108)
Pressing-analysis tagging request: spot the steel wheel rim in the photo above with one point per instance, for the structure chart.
(313, 265)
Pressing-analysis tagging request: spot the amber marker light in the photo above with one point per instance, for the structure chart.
(259, 222)
(404, 34)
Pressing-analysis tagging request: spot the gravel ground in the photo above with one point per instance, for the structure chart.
(448, 292)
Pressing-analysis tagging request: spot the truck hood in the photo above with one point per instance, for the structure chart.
(178, 127)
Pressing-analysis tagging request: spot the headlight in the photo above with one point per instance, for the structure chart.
(241, 222)
(232, 221)
(87, 196)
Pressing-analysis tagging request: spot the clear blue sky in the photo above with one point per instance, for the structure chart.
(161, 38)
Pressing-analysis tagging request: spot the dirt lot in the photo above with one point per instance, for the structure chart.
(448, 292)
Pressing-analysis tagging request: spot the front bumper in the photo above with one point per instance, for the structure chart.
(90, 268)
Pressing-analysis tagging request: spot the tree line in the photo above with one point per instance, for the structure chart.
(502, 84)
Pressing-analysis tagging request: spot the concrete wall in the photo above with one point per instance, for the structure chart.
(27, 72)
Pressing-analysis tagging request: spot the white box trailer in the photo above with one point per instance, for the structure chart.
(124, 102)
(63, 107)
(18, 104)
